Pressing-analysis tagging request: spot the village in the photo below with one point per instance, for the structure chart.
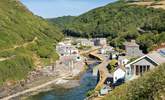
(116, 67)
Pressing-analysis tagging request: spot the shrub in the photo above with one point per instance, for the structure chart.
(112, 65)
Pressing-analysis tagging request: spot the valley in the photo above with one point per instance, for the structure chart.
(112, 52)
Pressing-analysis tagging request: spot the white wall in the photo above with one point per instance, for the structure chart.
(118, 74)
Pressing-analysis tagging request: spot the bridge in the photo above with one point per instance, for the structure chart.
(86, 52)
(88, 62)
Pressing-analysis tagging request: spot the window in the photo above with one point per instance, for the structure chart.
(148, 67)
(144, 68)
(137, 70)
(141, 69)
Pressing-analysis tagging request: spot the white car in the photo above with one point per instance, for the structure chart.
(105, 90)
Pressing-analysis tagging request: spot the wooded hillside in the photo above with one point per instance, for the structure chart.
(120, 22)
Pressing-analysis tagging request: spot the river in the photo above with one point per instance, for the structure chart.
(87, 82)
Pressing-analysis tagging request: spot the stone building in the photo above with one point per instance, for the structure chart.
(100, 42)
(132, 49)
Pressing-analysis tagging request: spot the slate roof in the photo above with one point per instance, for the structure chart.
(157, 57)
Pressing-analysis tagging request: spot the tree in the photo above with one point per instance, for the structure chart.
(112, 65)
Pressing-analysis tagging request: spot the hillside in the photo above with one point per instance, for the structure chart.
(26, 41)
(121, 22)
(151, 86)
(62, 21)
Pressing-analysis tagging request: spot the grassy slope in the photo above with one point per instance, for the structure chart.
(151, 86)
(18, 26)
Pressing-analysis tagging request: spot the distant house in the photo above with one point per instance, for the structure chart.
(71, 60)
(113, 55)
(147, 62)
(84, 42)
(102, 51)
(132, 49)
(118, 74)
(106, 49)
(66, 49)
(100, 42)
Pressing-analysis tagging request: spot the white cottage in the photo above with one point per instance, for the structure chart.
(106, 49)
(66, 49)
(118, 74)
(102, 51)
(84, 42)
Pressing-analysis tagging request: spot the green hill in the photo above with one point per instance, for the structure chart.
(62, 21)
(26, 41)
(151, 86)
(119, 22)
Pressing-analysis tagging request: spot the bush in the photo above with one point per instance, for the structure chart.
(112, 65)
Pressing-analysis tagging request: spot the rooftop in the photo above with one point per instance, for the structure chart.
(132, 43)
(157, 56)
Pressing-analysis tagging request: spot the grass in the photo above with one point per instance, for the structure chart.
(16, 68)
(19, 26)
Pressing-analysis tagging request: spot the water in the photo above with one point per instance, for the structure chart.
(87, 82)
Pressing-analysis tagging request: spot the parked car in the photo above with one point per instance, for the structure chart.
(118, 82)
(108, 81)
(105, 90)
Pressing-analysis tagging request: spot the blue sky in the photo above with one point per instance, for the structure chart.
(57, 8)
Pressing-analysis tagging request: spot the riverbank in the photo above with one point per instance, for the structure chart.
(62, 82)
(44, 78)
(85, 82)
(41, 80)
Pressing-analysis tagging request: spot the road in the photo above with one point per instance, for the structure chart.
(104, 73)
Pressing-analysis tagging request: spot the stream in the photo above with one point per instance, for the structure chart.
(87, 82)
